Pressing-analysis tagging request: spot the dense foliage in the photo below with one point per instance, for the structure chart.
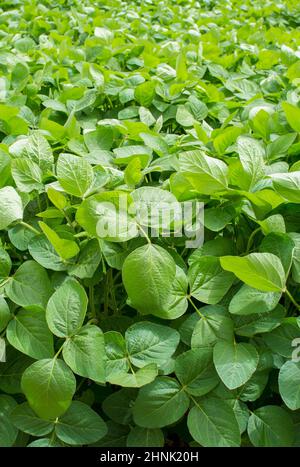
(126, 340)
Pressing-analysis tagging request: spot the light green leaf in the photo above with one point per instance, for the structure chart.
(148, 274)
(49, 386)
(263, 271)
(206, 174)
(28, 332)
(74, 174)
(150, 343)
(11, 208)
(66, 309)
(85, 353)
(235, 363)
(160, 403)
(22, 288)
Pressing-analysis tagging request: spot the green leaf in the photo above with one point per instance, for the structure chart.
(160, 403)
(292, 114)
(136, 379)
(28, 332)
(212, 423)
(209, 282)
(206, 174)
(22, 288)
(80, 425)
(271, 426)
(66, 309)
(196, 372)
(287, 185)
(11, 208)
(24, 418)
(145, 437)
(66, 249)
(214, 324)
(148, 273)
(289, 388)
(49, 386)
(27, 175)
(8, 432)
(248, 301)
(144, 93)
(85, 353)
(5, 314)
(118, 405)
(74, 174)
(235, 363)
(251, 156)
(262, 271)
(150, 343)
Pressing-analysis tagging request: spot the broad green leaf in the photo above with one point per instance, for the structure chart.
(12, 370)
(24, 418)
(66, 249)
(208, 281)
(74, 174)
(27, 175)
(5, 314)
(118, 405)
(263, 271)
(160, 403)
(28, 332)
(135, 379)
(145, 437)
(251, 155)
(49, 386)
(150, 343)
(22, 287)
(212, 423)
(80, 425)
(195, 371)
(206, 174)
(214, 324)
(11, 208)
(148, 273)
(281, 245)
(271, 426)
(85, 353)
(257, 323)
(292, 114)
(235, 363)
(66, 309)
(287, 185)
(8, 432)
(248, 301)
(289, 378)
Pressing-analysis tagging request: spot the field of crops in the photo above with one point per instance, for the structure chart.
(130, 131)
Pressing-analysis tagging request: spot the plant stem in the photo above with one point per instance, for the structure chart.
(30, 227)
(292, 299)
(194, 306)
(92, 301)
(144, 233)
(250, 239)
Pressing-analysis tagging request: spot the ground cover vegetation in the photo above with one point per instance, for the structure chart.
(128, 338)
